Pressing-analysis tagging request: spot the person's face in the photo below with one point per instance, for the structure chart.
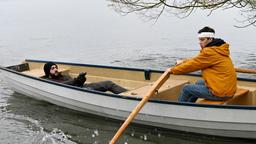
(204, 41)
(54, 70)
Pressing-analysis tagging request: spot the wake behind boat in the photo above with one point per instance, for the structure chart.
(235, 117)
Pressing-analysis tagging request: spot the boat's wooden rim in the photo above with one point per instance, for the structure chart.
(123, 68)
(130, 97)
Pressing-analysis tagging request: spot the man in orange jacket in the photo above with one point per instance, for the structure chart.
(219, 75)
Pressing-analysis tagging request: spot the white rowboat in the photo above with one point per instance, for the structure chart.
(233, 118)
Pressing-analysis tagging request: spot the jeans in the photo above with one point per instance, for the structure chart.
(191, 92)
(104, 86)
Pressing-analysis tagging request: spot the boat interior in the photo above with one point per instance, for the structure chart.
(138, 82)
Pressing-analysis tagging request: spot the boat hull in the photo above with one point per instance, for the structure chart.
(227, 121)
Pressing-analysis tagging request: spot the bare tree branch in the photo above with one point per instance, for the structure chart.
(153, 9)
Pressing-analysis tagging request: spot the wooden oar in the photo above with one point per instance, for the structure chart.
(136, 110)
(240, 70)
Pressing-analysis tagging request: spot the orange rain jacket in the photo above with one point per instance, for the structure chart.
(217, 69)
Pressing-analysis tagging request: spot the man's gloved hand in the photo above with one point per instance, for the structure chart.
(79, 81)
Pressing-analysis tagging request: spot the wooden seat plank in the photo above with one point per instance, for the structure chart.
(169, 84)
(39, 72)
(239, 92)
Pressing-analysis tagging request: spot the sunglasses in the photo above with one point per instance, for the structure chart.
(54, 67)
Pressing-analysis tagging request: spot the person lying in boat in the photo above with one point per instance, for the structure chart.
(219, 75)
(52, 73)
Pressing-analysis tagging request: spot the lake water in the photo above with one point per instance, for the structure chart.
(91, 32)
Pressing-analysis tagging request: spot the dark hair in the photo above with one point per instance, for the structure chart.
(206, 29)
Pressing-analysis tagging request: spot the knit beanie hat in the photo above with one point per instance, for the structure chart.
(47, 68)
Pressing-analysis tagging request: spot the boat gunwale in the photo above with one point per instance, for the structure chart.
(242, 107)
